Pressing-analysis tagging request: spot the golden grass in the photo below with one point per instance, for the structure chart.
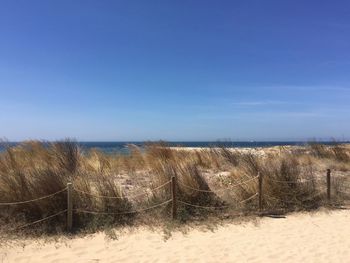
(291, 180)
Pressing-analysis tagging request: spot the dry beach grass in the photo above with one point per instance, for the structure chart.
(220, 178)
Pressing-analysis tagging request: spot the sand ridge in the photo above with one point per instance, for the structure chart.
(306, 237)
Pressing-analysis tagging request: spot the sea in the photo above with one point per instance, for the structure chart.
(122, 147)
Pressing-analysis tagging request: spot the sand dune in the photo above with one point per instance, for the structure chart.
(318, 237)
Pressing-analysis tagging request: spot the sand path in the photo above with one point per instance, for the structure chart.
(317, 237)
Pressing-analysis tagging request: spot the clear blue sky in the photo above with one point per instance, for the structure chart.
(174, 70)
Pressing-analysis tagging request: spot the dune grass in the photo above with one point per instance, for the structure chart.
(30, 170)
(33, 170)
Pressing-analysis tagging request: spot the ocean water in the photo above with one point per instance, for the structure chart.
(113, 147)
(121, 147)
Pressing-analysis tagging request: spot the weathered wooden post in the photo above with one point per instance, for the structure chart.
(173, 197)
(329, 185)
(69, 207)
(260, 191)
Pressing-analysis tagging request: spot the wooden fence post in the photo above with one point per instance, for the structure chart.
(69, 207)
(329, 184)
(260, 191)
(173, 197)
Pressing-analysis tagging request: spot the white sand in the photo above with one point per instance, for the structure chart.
(318, 237)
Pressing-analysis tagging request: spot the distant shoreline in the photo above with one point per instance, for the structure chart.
(121, 147)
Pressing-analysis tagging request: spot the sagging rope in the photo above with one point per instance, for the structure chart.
(293, 182)
(121, 197)
(205, 207)
(280, 200)
(217, 207)
(195, 189)
(210, 191)
(33, 200)
(249, 198)
(40, 220)
(346, 187)
(244, 182)
(294, 201)
(79, 210)
(342, 192)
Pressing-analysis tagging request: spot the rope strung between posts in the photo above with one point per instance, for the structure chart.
(312, 197)
(121, 197)
(195, 189)
(346, 187)
(210, 191)
(293, 182)
(121, 213)
(249, 198)
(217, 207)
(105, 196)
(244, 182)
(342, 192)
(280, 200)
(33, 200)
(40, 220)
(300, 203)
(200, 206)
(294, 201)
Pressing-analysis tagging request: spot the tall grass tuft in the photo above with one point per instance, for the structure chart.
(191, 186)
(35, 169)
(336, 151)
(286, 184)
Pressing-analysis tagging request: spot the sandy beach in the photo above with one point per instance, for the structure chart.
(301, 237)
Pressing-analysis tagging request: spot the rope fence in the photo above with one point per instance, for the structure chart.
(217, 207)
(40, 220)
(244, 182)
(294, 182)
(122, 213)
(249, 198)
(206, 207)
(33, 200)
(210, 191)
(121, 197)
(195, 189)
(173, 183)
(342, 192)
